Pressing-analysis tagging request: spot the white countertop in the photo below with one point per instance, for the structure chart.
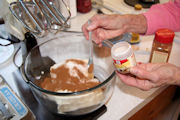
(125, 100)
(128, 100)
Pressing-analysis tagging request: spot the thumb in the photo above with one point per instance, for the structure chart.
(93, 26)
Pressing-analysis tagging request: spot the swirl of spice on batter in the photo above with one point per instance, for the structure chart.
(71, 76)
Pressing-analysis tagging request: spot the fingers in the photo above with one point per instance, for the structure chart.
(102, 34)
(140, 72)
(108, 34)
(98, 21)
(102, 28)
(149, 66)
(149, 75)
(95, 23)
(135, 82)
(85, 31)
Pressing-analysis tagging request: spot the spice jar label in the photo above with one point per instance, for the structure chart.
(123, 57)
(159, 57)
(123, 66)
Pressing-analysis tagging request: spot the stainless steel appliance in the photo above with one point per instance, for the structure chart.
(41, 16)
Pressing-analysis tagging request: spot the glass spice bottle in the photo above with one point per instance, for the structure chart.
(84, 6)
(162, 46)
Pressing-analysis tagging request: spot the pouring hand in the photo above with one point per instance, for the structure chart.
(150, 75)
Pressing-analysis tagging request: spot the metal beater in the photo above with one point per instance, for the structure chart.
(42, 16)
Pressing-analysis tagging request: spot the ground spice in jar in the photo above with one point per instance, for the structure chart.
(162, 46)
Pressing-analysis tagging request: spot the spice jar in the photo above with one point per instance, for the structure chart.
(123, 57)
(162, 46)
(84, 6)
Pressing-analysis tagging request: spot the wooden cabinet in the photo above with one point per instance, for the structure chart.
(153, 108)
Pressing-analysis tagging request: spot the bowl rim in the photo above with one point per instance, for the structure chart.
(60, 93)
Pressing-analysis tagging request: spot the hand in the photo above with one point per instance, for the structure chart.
(104, 27)
(109, 26)
(150, 75)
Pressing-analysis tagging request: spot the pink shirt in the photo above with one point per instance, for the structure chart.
(163, 16)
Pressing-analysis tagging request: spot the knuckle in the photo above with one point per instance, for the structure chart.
(155, 78)
(147, 85)
(139, 73)
(95, 17)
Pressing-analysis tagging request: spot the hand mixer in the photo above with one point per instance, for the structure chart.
(41, 16)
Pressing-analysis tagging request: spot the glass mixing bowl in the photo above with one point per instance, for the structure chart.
(62, 47)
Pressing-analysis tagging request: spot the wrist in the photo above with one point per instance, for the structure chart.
(136, 23)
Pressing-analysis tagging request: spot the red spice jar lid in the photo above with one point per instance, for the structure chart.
(164, 36)
(84, 6)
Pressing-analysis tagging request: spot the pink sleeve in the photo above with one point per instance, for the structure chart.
(163, 16)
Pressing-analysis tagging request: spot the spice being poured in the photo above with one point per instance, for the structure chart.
(70, 76)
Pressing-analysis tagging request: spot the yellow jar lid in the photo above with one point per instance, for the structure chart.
(138, 6)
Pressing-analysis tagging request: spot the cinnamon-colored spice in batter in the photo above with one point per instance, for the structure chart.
(64, 81)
